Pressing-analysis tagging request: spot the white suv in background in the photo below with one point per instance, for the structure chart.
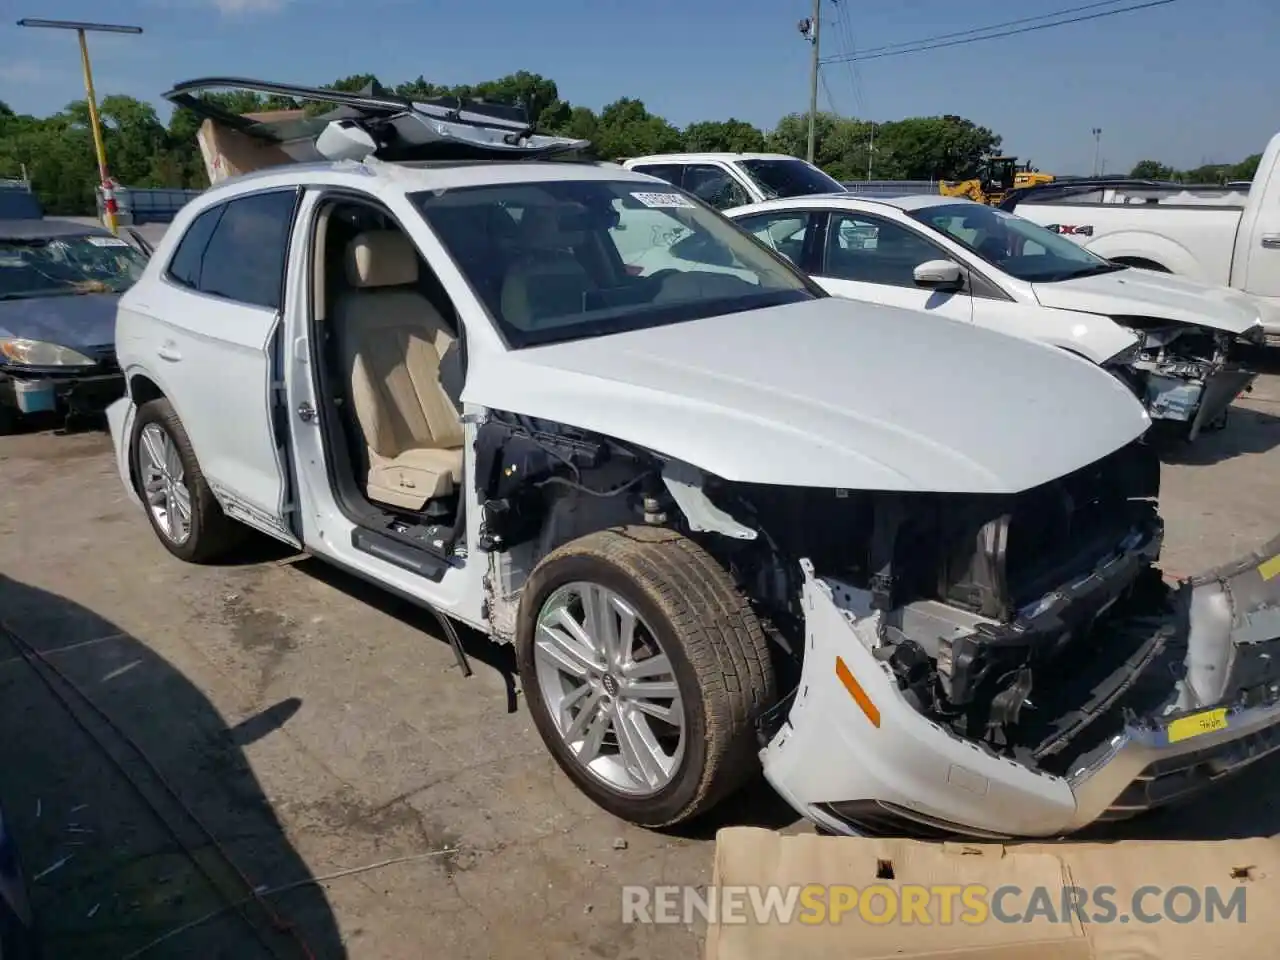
(724, 180)
(728, 521)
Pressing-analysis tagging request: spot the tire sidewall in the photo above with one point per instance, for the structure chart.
(667, 804)
(160, 412)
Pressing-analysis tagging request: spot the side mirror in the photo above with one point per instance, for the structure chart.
(939, 275)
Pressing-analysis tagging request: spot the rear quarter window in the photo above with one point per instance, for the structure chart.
(184, 268)
(237, 250)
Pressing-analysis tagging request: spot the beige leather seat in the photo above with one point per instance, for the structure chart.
(546, 282)
(390, 340)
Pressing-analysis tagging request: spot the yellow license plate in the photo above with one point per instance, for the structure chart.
(1184, 728)
(1271, 568)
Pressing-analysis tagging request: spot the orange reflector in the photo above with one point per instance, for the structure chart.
(855, 690)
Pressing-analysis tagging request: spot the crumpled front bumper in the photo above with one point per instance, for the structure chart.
(75, 393)
(853, 755)
(1199, 403)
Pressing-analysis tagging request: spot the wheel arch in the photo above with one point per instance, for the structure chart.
(1162, 253)
(143, 387)
(1142, 263)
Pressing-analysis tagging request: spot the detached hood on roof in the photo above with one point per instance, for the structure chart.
(828, 393)
(1145, 293)
(394, 128)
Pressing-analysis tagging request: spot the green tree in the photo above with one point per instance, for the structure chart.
(791, 135)
(728, 136)
(1247, 168)
(937, 148)
(143, 151)
(1208, 173)
(627, 129)
(1152, 170)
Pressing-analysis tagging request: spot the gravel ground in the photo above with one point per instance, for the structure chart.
(294, 724)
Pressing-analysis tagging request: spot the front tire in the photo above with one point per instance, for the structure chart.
(645, 671)
(182, 509)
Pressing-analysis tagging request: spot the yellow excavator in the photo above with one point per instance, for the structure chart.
(996, 177)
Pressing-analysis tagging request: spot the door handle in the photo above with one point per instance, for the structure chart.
(169, 352)
(1271, 241)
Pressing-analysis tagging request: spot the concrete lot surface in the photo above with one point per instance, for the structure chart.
(294, 724)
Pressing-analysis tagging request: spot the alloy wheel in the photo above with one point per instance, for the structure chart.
(610, 689)
(164, 483)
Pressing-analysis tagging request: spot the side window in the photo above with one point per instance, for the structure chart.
(869, 250)
(784, 233)
(669, 172)
(184, 268)
(714, 186)
(244, 259)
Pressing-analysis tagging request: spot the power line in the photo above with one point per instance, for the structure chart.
(826, 90)
(845, 30)
(930, 44)
(994, 26)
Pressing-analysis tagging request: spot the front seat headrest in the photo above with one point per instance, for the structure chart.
(381, 258)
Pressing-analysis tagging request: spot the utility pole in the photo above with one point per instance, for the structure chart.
(810, 30)
(108, 200)
(871, 148)
(1097, 150)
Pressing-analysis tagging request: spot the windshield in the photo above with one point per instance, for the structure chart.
(562, 260)
(1019, 247)
(65, 266)
(789, 178)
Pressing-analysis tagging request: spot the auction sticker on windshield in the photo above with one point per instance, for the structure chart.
(107, 241)
(659, 200)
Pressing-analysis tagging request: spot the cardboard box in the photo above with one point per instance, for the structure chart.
(229, 153)
(1147, 871)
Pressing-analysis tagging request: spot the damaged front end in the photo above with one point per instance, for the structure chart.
(1014, 666)
(1187, 376)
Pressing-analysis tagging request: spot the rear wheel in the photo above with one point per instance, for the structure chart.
(182, 509)
(645, 670)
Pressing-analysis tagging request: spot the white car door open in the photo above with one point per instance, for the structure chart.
(868, 258)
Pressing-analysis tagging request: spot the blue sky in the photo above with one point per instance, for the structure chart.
(1185, 83)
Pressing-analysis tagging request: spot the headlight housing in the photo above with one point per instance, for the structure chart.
(39, 353)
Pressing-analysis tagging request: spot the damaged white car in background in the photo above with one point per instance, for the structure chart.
(728, 522)
(1175, 341)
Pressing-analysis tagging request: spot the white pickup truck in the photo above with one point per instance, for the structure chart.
(1228, 235)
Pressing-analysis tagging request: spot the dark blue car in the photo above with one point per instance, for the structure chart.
(59, 283)
(17, 929)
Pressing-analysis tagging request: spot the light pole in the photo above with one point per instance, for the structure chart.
(1097, 149)
(81, 28)
(810, 29)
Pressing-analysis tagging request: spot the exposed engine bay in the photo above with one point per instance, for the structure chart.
(1184, 374)
(983, 606)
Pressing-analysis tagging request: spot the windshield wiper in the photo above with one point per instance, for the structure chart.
(1096, 269)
